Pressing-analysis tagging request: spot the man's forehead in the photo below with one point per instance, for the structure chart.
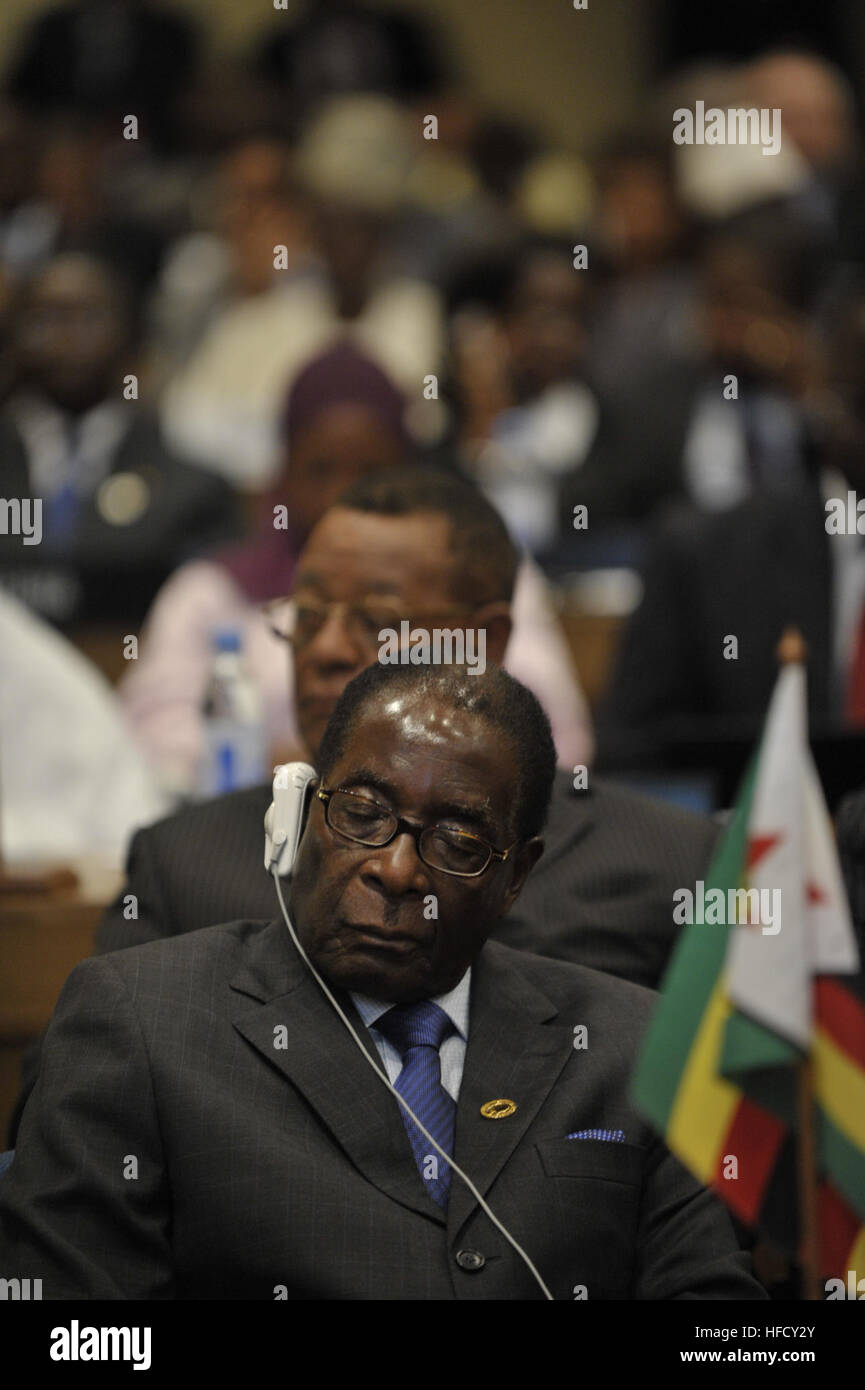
(408, 739)
(410, 717)
(364, 552)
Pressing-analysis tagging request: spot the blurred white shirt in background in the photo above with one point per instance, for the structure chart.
(72, 781)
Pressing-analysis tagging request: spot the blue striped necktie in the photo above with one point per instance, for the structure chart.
(417, 1031)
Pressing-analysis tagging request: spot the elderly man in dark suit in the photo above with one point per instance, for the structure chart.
(206, 1127)
(406, 543)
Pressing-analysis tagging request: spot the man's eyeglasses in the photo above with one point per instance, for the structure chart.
(299, 620)
(440, 847)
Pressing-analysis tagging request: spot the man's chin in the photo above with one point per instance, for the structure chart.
(398, 981)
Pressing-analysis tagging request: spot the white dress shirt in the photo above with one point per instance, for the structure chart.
(54, 461)
(452, 1051)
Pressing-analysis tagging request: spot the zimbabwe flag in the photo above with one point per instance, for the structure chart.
(755, 987)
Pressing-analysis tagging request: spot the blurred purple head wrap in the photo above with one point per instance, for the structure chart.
(342, 375)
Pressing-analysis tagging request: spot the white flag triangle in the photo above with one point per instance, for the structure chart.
(803, 926)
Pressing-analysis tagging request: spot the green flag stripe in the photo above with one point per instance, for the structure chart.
(843, 1161)
(691, 978)
(749, 1045)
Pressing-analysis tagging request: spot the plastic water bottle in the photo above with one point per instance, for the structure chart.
(235, 744)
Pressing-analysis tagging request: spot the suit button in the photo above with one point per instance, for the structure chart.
(470, 1259)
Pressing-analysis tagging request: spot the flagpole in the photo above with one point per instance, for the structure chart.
(806, 1163)
(792, 649)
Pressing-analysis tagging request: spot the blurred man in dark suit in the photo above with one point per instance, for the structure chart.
(797, 558)
(678, 431)
(269, 1162)
(119, 508)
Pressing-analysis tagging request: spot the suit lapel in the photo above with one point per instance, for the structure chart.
(514, 1053)
(280, 1002)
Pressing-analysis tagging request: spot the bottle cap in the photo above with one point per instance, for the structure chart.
(226, 639)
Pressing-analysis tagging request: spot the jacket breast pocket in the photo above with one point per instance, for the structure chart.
(593, 1189)
(592, 1158)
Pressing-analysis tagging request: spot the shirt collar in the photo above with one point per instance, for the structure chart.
(455, 1004)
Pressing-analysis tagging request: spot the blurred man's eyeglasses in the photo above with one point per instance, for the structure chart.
(442, 847)
(299, 620)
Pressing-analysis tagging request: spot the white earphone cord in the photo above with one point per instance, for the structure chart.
(382, 1076)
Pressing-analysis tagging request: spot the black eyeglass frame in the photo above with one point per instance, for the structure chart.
(404, 827)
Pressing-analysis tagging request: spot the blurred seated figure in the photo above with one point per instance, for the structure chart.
(73, 203)
(524, 409)
(698, 657)
(343, 419)
(716, 182)
(334, 47)
(223, 407)
(101, 59)
(248, 206)
(818, 115)
(71, 779)
(729, 420)
(640, 233)
(118, 509)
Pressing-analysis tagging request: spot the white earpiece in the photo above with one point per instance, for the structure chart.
(283, 824)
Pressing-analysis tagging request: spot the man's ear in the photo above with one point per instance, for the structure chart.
(496, 619)
(526, 857)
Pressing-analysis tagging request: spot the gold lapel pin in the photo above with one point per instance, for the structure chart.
(498, 1109)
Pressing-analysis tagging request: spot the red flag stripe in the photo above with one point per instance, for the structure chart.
(839, 1229)
(754, 1138)
(840, 1014)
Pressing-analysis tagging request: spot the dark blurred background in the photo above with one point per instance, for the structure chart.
(199, 202)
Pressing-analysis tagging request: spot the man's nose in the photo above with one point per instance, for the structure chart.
(397, 868)
(335, 644)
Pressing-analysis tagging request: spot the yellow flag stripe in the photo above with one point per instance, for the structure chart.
(705, 1103)
(839, 1085)
(856, 1258)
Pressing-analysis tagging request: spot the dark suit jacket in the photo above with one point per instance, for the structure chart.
(601, 895)
(260, 1166)
(636, 462)
(104, 572)
(748, 572)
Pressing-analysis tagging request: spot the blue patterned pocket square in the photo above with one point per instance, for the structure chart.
(613, 1136)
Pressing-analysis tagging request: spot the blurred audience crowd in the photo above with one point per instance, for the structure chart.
(228, 293)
